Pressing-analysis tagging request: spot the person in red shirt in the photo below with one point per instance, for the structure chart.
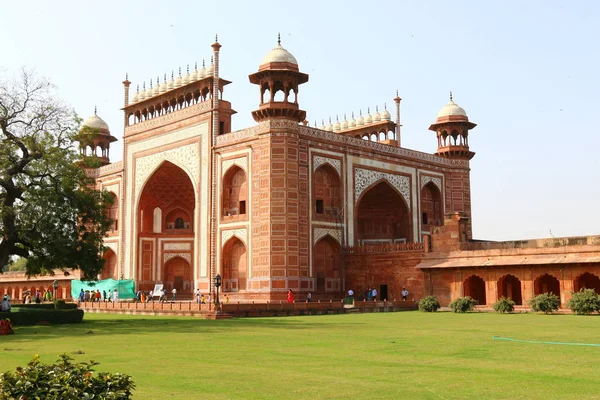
(290, 296)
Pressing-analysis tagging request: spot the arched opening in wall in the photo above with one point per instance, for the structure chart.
(587, 281)
(382, 136)
(474, 286)
(373, 137)
(327, 194)
(109, 271)
(546, 284)
(293, 96)
(455, 136)
(168, 189)
(445, 138)
(265, 95)
(391, 135)
(327, 265)
(178, 275)
(509, 286)
(383, 216)
(178, 219)
(234, 265)
(113, 212)
(365, 137)
(235, 192)
(431, 207)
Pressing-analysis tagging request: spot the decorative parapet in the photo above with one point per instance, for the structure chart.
(383, 148)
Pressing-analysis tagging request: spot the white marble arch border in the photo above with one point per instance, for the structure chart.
(320, 233)
(320, 160)
(364, 178)
(241, 162)
(436, 181)
(186, 256)
(240, 233)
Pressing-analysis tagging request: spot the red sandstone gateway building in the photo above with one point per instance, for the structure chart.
(283, 205)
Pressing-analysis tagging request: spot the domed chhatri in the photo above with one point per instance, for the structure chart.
(452, 128)
(452, 110)
(279, 56)
(96, 122)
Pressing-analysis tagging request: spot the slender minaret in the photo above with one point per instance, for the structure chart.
(126, 84)
(214, 132)
(397, 100)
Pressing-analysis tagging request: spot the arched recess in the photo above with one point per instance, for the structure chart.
(474, 286)
(587, 281)
(169, 186)
(234, 265)
(509, 286)
(178, 274)
(382, 216)
(109, 271)
(112, 212)
(546, 284)
(235, 192)
(327, 193)
(327, 265)
(431, 207)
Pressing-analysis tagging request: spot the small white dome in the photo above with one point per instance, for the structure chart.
(377, 116)
(156, 90)
(210, 70)
(385, 115)
(136, 96)
(360, 121)
(323, 124)
(194, 76)
(202, 72)
(148, 93)
(344, 123)
(142, 95)
(452, 109)
(186, 78)
(329, 126)
(178, 80)
(163, 86)
(95, 122)
(171, 83)
(368, 118)
(352, 123)
(337, 126)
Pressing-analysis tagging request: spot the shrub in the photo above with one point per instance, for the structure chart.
(463, 304)
(64, 380)
(504, 305)
(429, 304)
(33, 316)
(546, 303)
(586, 301)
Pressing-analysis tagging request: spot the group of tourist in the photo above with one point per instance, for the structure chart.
(95, 296)
(38, 297)
(202, 299)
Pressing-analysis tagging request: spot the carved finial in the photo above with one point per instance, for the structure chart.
(397, 93)
(368, 110)
(150, 83)
(179, 71)
(165, 77)
(172, 73)
(360, 112)
(451, 95)
(126, 76)
(196, 66)
(188, 68)
(203, 66)
(216, 37)
(278, 39)
(329, 120)
(336, 118)
(157, 80)
(344, 116)
(212, 61)
(95, 110)
(376, 108)
(144, 86)
(138, 88)
(385, 106)
(352, 114)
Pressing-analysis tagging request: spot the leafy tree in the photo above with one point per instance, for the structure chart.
(504, 305)
(50, 212)
(586, 301)
(463, 304)
(429, 304)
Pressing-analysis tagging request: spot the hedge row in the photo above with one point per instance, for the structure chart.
(35, 316)
(58, 304)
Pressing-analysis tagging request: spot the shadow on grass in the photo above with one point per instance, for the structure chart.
(107, 324)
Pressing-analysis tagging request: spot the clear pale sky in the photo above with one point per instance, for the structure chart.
(525, 71)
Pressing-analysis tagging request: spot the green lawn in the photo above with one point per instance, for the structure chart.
(407, 355)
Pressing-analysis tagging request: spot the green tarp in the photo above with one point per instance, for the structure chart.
(124, 287)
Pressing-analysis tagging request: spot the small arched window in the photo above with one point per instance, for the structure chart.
(179, 223)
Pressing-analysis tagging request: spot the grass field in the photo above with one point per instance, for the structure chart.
(407, 355)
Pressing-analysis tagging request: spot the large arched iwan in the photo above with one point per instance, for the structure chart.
(235, 192)
(383, 216)
(431, 207)
(327, 265)
(234, 265)
(110, 263)
(509, 286)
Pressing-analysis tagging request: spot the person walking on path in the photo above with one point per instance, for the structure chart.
(115, 296)
(198, 296)
(174, 292)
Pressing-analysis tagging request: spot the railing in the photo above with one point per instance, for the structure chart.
(384, 248)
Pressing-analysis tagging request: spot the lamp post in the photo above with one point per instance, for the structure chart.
(217, 285)
(55, 286)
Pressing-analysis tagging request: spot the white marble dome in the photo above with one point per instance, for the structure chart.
(279, 54)
(95, 122)
(451, 109)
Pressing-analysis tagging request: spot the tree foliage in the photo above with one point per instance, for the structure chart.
(50, 212)
(504, 305)
(429, 304)
(463, 304)
(586, 301)
(545, 302)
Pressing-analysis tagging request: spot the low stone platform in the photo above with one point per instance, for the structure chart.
(241, 310)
